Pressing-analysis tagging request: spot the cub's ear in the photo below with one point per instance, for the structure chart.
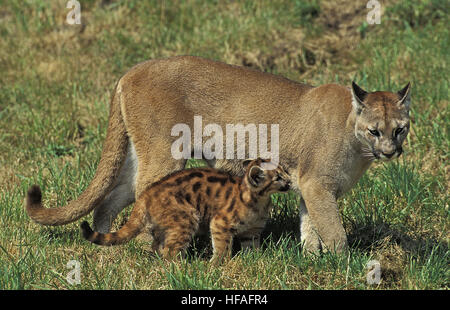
(256, 176)
(358, 97)
(405, 97)
(246, 162)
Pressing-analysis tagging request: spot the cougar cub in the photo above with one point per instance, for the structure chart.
(188, 201)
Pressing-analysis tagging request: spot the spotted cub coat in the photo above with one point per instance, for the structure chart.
(190, 201)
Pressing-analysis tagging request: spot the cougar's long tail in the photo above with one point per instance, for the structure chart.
(113, 156)
(127, 232)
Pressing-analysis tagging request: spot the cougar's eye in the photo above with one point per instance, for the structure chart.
(398, 131)
(374, 132)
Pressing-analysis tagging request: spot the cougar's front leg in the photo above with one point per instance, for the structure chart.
(323, 218)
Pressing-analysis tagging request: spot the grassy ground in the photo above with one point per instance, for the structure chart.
(55, 85)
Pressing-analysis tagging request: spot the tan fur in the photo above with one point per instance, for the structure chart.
(324, 141)
(111, 160)
(179, 205)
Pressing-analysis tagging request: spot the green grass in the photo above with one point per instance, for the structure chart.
(55, 86)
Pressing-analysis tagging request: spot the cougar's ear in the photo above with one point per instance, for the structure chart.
(404, 95)
(256, 176)
(358, 97)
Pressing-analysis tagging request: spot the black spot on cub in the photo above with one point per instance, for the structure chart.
(219, 190)
(196, 174)
(196, 187)
(179, 197)
(199, 204)
(241, 197)
(188, 198)
(227, 193)
(230, 208)
(214, 179)
(188, 177)
(225, 220)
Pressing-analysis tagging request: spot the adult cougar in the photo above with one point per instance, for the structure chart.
(328, 137)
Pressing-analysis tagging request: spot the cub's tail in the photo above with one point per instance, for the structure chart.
(127, 232)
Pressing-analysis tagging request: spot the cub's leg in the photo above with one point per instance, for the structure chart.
(176, 240)
(234, 167)
(174, 244)
(157, 233)
(174, 230)
(250, 239)
(221, 239)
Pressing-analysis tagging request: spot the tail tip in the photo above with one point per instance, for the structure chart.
(86, 230)
(34, 195)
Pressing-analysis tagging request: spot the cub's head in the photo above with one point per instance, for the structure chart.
(382, 121)
(265, 178)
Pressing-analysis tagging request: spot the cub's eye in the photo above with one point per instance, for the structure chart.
(374, 132)
(398, 131)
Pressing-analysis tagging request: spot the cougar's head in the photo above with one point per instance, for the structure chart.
(382, 121)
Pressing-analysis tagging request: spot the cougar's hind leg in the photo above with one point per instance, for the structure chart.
(122, 195)
(107, 211)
